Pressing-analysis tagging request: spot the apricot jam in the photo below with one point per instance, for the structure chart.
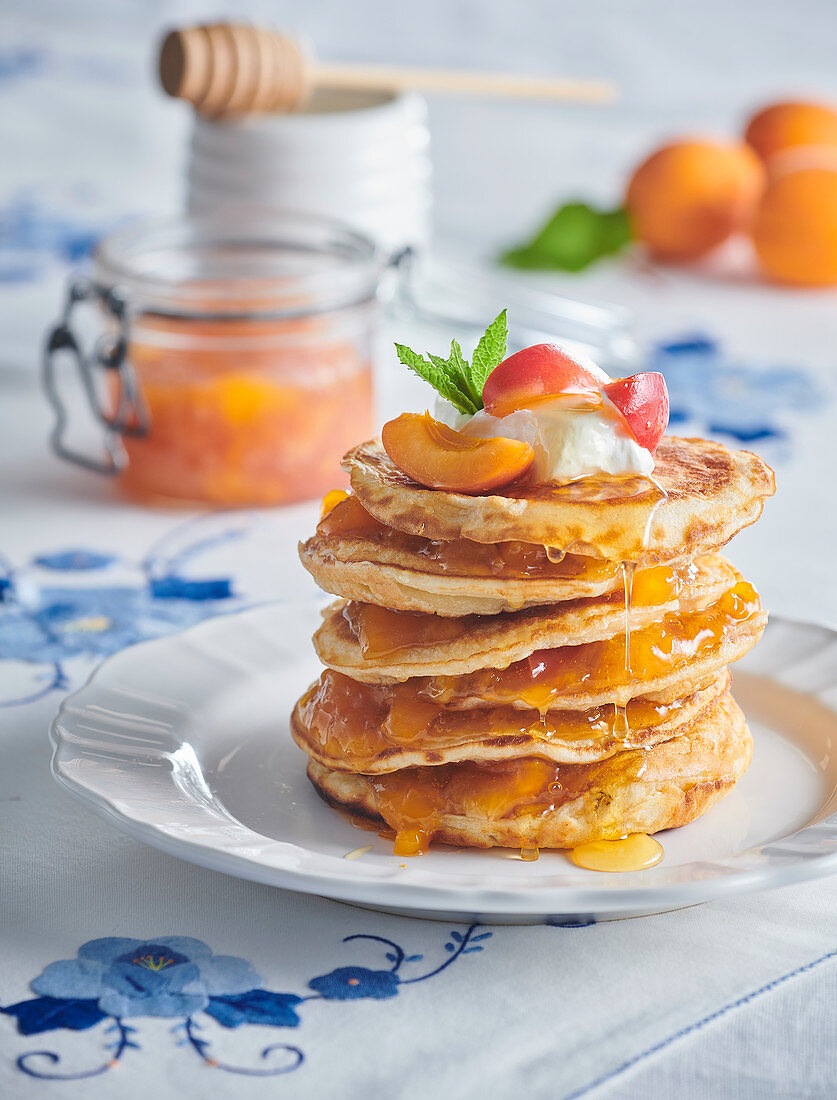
(552, 674)
(381, 632)
(413, 801)
(462, 557)
(345, 517)
(244, 412)
(358, 726)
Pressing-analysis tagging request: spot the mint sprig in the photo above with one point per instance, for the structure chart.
(457, 380)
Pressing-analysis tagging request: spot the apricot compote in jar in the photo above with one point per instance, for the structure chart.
(250, 347)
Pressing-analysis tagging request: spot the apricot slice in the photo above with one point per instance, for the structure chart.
(435, 455)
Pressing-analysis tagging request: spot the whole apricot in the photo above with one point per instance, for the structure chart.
(688, 197)
(785, 125)
(795, 228)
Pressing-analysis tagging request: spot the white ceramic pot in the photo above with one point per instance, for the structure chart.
(363, 158)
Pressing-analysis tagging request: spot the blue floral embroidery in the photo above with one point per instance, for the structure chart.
(37, 230)
(717, 395)
(172, 976)
(117, 978)
(47, 624)
(348, 983)
(19, 61)
(75, 560)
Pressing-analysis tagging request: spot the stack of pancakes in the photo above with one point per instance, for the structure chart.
(540, 668)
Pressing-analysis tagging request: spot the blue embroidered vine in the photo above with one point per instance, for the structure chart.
(178, 977)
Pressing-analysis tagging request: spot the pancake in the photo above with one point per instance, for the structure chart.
(523, 803)
(355, 556)
(354, 727)
(377, 646)
(352, 568)
(702, 495)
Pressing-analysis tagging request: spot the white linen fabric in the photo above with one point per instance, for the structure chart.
(731, 999)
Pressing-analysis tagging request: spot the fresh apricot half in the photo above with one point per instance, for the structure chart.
(435, 455)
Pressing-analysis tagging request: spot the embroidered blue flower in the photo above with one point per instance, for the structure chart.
(47, 624)
(178, 977)
(97, 621)
(723, 397)
(75, 560)
(349, 983)
(256, 1006)
(19, 61)
(170, 976)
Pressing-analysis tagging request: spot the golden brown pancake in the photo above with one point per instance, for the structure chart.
(375, 729)
(521, 803)
(354, 638)
(405, 579)
(708, 494)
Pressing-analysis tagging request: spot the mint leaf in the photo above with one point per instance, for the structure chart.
(574, 237)
(440, 376)
(490, 351)
(458, 369)
(457, 380)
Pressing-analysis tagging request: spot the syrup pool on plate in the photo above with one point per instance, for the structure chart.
(634, 852)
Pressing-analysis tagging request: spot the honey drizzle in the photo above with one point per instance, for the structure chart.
(628, 570)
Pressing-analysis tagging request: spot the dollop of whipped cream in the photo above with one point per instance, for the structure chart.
(568, 442)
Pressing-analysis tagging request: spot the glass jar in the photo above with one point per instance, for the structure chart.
(236, 366)
(239, 356)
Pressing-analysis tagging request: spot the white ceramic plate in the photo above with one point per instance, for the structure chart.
(183, 743)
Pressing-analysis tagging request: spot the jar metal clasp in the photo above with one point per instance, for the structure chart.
(128, 414)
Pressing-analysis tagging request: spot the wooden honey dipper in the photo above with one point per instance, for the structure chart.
(233, 68)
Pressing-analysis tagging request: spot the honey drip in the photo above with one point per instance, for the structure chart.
(555, 554)
(529, 853)
(634, 852)
(621, 724)
(628, 570)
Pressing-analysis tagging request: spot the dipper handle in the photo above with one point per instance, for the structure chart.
(234, 68)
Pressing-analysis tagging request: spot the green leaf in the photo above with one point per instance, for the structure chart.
(462, 367)
(456, 368)
(438, 374)
(574, 237)
(490, 351)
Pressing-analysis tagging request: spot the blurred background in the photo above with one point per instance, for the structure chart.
(88, 135)
(90, 140)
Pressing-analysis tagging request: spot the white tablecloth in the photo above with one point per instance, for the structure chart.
(731, 999)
